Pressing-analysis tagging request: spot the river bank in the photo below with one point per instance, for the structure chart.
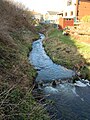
(66, 51)
(17, 75)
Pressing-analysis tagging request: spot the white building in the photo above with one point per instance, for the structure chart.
(37, 16)
(70, 9)
(51, 17)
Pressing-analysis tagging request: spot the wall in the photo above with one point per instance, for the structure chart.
(70, 8)
(63, 22)
(83, 8)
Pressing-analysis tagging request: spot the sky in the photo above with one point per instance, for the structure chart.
(43, 5)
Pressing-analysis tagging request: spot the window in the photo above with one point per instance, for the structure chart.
(66, 14)
(71, 13)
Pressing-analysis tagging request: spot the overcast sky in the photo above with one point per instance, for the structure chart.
(43, 5)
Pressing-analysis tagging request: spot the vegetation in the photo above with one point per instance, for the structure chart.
(17, 33)
(67, 51)
(86, 19)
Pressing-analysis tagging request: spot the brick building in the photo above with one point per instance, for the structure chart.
(83, 8)
(74, 10)
(69, 14)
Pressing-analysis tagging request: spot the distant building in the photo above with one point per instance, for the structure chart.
(51, 17)
(37, 16)
(69, 14)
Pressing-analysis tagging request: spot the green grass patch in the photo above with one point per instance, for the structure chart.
(67, 51)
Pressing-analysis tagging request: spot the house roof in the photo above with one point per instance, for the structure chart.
(60, 13)
(52, 12)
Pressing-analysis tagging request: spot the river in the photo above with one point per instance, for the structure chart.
(69, 101)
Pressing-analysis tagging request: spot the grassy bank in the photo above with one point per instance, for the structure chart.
(17, 75)
(67, 51)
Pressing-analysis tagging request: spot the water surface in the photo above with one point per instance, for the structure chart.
(47, 70)
(69, 101)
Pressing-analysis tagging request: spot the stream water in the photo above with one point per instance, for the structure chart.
(69, 101)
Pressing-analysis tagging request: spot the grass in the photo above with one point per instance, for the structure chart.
(84, 49)
(67, 51)
(17, 75)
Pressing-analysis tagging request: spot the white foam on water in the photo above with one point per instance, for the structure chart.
(82, 99)
(87, 84)
(50, 89)
(74, 91)
(80, 84)
(68, 89)
(86, 81)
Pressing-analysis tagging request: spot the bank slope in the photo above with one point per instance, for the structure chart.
(17, 33)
